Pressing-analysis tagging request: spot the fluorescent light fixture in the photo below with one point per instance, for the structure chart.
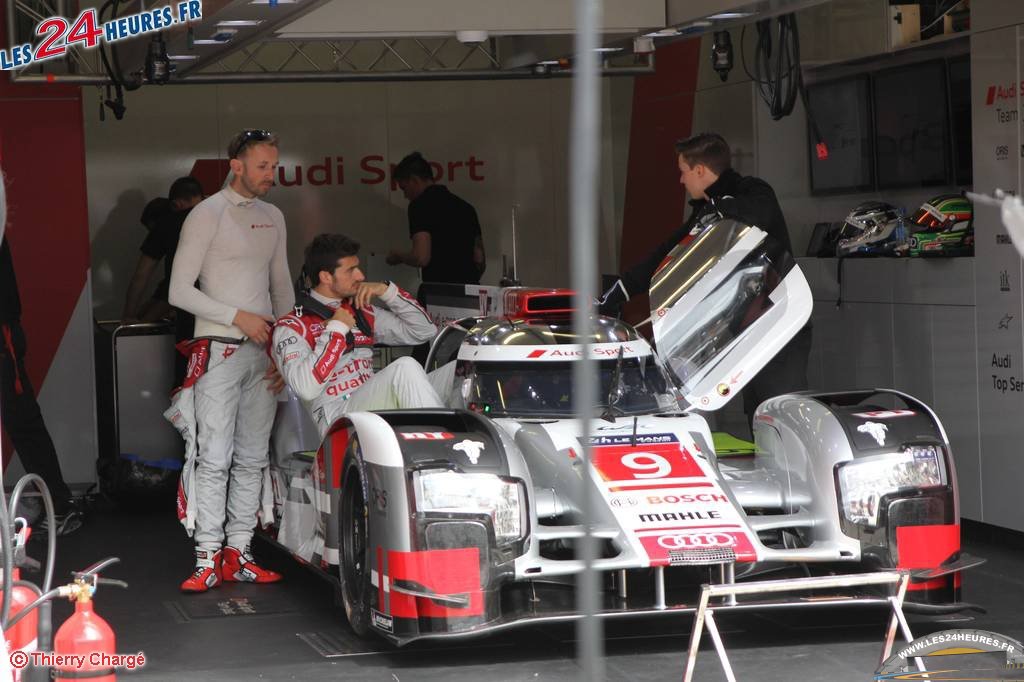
(239, 23)
(182, 57)
(722, 16)
(663, 33)
(607, 49)
(550, 62)
(206, 41)
(279, 2)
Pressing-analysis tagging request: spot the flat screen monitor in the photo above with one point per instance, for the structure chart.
(912, 143)
(842, 111)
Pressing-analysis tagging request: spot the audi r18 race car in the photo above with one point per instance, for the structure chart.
(450, 523)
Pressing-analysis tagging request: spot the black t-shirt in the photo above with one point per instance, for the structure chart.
(453, 227)
(162, 242)
(10, 303)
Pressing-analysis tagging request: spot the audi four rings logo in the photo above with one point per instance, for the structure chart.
(696, 540)
(624, 502)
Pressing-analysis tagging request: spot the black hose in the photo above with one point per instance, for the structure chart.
(8, 559)
(51, 519)
(780, 86)
(117, 60)
(46, 596)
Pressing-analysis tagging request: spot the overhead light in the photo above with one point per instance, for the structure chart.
(222, 36)
(239, 23)
(663, 33)
(607, 49)
(182, 57)
(273, 2)
(722, 16)
(549, 62)
(471, 37)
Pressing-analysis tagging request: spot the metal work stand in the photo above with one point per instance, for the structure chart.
(706, 614)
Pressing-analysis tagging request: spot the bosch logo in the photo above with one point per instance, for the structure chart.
(696, 541)
(624, 502)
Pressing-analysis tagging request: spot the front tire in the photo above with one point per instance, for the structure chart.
(356, 588)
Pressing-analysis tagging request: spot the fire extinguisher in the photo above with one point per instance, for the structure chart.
(23, 635)
(85, 634)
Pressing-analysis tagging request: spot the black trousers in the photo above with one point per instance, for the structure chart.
(22, 419)
(786, 373)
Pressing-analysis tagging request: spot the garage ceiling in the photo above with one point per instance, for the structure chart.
(331, 40)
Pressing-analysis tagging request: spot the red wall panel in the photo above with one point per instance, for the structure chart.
(662, 114)
(42, 151)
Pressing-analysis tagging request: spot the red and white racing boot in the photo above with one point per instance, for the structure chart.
(238, 566)
(207, 573)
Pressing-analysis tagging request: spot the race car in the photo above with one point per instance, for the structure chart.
(459, 522)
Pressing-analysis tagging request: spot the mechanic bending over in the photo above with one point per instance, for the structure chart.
(324, 348)
(706, 173)
(234, 243)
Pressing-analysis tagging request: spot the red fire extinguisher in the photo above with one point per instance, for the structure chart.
(23, 635)
(85, 641)
(87, 635)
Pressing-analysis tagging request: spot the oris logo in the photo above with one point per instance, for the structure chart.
(696, 541)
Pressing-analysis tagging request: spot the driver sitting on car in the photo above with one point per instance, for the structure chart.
(324, 348)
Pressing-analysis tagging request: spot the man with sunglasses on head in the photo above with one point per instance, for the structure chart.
(233, 243)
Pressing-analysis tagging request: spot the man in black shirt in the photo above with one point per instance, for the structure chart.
(163, 219)
(445, 232)
(19, 411)
(705, 171)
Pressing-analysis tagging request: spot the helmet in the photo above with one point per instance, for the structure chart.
(943, 226)
(873, 228)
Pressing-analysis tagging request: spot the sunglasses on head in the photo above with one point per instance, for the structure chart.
(248, 137)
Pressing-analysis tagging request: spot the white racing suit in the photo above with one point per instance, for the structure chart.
(330, 366)
(224, 411)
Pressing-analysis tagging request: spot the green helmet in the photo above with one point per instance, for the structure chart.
(943, 226)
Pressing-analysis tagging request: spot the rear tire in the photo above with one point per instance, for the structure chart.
(356, 588)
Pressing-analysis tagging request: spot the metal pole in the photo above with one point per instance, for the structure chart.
(719, 647)
(515, 263)
(583, 167)
(334, 76)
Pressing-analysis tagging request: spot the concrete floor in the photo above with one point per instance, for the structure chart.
(267, 636)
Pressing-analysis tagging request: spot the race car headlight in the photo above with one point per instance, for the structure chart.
(454, 493)
(864, 482)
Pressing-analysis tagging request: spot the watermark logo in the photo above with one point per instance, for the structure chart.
(81, 663)
(956, 655)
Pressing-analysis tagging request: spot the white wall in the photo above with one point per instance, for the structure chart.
(518, 130)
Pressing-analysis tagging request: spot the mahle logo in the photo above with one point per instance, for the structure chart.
(956, 655)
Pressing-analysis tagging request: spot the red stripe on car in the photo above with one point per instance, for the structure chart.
(441, 571)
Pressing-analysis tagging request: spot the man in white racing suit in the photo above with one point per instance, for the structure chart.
(324, 348)
(233, 243)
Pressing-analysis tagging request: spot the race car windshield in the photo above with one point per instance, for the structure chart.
(519, 389)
